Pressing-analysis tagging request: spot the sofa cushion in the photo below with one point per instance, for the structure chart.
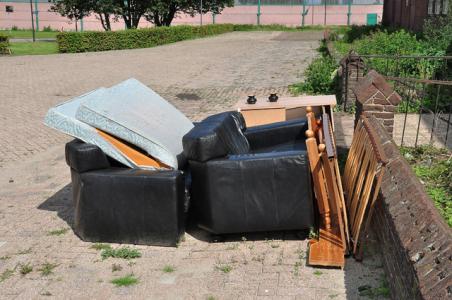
(216, 136)
(297, 145)
(232, 136)
(221, 116)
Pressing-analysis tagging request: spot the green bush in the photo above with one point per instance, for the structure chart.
(356, 32)
(320, 78)
(4, 44)
(91, 41)
(399, 43)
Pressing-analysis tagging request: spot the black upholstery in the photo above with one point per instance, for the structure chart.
(218, 136)
(124, 205)
(267, 188)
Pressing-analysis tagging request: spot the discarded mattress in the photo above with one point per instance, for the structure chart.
(136, 114)
(62, 118)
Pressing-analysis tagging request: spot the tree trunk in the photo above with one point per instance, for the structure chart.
(107, 22)
(76, 25)
(168, 18)
(102, 21)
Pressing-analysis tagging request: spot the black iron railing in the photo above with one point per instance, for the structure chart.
(425, 85)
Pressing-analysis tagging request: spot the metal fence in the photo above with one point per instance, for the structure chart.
(17, 13)
(425, 84)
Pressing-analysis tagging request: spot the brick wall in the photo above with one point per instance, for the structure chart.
(376, 97)
(415, 241)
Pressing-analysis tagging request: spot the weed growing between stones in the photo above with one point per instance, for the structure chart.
(125, 280)
(25, 269)
(47, 268)
(57, 232)
(124, 252)
(168, 269)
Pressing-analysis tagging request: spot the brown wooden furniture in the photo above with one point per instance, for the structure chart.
(362, 178)
(345, 209)
(286, 108)
(331, 246)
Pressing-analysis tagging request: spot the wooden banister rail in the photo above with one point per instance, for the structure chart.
(345, 206)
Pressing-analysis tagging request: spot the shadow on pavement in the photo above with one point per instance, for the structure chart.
(61, 202)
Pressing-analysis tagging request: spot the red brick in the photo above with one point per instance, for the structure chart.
(394, 98)
(371, 107)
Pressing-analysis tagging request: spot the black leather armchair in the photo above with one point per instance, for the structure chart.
(122, 205)
(246, 180)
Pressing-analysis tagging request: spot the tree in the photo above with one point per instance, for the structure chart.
(162, 12)
(105, 10)
(75, 10)
(132, 10)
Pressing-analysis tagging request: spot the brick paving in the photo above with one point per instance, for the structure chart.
(200, 77)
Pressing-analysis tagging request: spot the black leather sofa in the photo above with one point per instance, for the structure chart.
(246, 180)
(122, 205)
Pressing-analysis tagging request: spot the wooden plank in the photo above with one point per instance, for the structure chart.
(288, 102)
(362, 181)
(140, 159)
(255, 117)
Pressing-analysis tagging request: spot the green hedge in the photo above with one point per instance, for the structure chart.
(91, 41)
(4, 44)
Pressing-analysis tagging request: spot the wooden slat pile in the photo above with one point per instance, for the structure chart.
(343, 205)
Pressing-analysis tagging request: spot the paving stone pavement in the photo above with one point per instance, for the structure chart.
(200, 77)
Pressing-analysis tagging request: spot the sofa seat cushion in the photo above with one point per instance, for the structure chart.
(298, 145)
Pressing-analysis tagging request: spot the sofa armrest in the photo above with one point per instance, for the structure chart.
(276, 133)
(83, 157)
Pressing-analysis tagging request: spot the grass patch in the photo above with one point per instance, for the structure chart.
(30, 48)
(168, 269)
(6, 274)
(433, 167)
(28, 34)
(124, 252)
(60, 231)
(224, 268)
(317, 273)
(125, 281)
(25, 269)
(5, 257)
(47, 269)
(99, 246)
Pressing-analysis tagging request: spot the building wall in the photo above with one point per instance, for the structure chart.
(286, 15)
(409, 14)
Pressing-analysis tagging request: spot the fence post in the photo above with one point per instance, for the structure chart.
(303, 13)
(259, 12)
(32, 21)
(37, 15)
(349, 12)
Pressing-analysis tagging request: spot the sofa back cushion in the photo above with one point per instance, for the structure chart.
(232, 136)
(216, 136)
